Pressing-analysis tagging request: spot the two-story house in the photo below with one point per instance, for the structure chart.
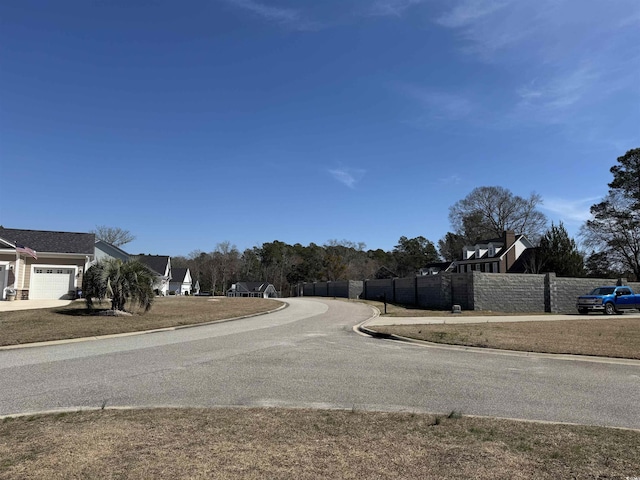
(496, 255)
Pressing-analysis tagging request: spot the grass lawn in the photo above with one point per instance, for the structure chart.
(75, 321)
(306, 444)
(603, 336)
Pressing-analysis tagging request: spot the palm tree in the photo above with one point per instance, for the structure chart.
(122, 281)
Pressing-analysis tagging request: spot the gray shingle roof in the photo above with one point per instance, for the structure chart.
(178, 274)
(252, 286)
(53, 242)
(157, 263)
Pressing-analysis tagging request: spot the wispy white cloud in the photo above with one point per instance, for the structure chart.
(284, 16)
(439, 105)
(570, 211)
(395, 8)
(469, 12)
(557, 94)
(488, 26)
(347, 176)
(450, 180)
(570, 56)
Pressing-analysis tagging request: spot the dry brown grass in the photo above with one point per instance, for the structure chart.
(394, 310)
(305, 444)
(608, 337)
(74, 321)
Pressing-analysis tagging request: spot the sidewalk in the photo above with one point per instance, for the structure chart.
(459, 319)
(6, 306)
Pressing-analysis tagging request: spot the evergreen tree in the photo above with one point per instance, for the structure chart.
(559, 253)
(614, 228)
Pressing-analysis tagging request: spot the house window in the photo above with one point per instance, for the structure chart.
(49, 270)
(38, 270)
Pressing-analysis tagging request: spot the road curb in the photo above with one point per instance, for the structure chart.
(65, 341)
(495, 351)
(126, 408)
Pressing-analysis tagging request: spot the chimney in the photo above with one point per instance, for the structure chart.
(509, 240)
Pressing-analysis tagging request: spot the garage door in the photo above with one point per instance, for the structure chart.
(50, 283)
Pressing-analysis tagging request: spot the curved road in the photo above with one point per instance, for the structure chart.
(307, 355)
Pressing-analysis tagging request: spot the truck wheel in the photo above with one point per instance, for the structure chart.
(609, 309)
(583, 311)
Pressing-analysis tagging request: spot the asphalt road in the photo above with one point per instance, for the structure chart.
(307, 355)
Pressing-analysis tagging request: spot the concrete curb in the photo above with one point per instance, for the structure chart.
(88, 409)
(141, 332)
(494, 351)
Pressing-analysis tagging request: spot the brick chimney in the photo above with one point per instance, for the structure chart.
(509, 239)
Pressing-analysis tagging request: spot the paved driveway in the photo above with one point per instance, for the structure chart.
(308, 355)
(6, 306)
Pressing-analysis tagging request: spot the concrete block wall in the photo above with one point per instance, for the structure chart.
(308, 289)
(462, 290)
(568, 289)
(356, 287)
(471, 290)
(338, 289)
(341, 289)
(376, 289)
(405, 291)
(434, 291)
(635, 286)
(509, 292)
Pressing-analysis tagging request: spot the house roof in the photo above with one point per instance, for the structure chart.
(107, 246)
(178, 274)
(252, 286)
(385, 273)
(522, 263)
(51, 242)
(438, 265)
(157, 263)
(498, 254)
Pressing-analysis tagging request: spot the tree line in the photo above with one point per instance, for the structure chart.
(611, 238)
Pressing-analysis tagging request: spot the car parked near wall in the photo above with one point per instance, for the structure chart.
(608, 300)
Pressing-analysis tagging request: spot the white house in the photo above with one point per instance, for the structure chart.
(180, 281)
(160, 266)
(104, 251)
(252, 289)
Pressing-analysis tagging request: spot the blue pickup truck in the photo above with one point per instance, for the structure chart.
(608, 300)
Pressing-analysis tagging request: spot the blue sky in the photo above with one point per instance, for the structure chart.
(192, 123)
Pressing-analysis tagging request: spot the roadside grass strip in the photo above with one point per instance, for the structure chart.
(253, 443)
(75, 321)
(616, 337)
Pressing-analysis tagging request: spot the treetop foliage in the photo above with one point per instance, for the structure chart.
(487, 212)
(113, 235)
(613, 232)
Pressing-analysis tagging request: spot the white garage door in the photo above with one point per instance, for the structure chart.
(50, 283)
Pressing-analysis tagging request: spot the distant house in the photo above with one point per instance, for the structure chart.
(437, 267)
(196, 288)
(252, 289)
(41, 264)
(496, 255)
(180, 281)
(160, 266)
(104, 251)
(383, 273)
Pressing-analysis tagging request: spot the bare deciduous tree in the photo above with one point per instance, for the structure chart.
(113, 235)
(488, 211)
